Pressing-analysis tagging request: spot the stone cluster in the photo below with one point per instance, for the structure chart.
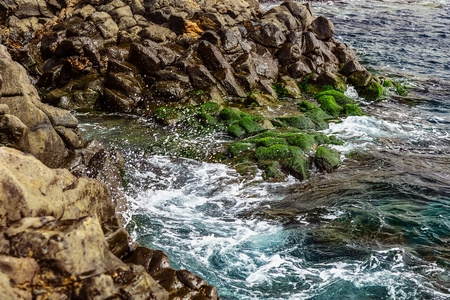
(128, 56)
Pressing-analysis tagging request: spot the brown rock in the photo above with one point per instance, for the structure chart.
(323, 28)
(30, 189)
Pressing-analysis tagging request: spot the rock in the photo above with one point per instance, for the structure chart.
(71, 137)
(19, 270)
(268, 34)
(323, 28)
(157, 33)
(144, 58)
(310, 42)
(75, 251)
(350, 67)
(299, 69)
(211, 56)
(300, 11)
(289, 53)
(228, 81)
(12, 131)
(54, 192)
(190, 280)
(22, 99)
(4, 109)
(326, 159)
(168, 91)
(360, 78)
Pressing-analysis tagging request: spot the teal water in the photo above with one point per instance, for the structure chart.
(377, 228)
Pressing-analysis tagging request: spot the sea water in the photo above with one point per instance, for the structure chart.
(376, 228)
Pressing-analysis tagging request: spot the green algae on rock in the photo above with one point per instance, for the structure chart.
(326, 159)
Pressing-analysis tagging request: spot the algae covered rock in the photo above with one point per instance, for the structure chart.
(326, 159)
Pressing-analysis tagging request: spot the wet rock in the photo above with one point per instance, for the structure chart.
(360, 78)
(168, 91)
(229, 82)
(115, 101)
(165, 55)
(190, 279)
(283, 14)
(172, 74)
(144, 58)
(326, 159)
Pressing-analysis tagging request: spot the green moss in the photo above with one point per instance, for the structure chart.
(294, 121)
(334, 140)
(389, 84)
(328, 105)
(297, 166)
(352, 110)
(272, 170)
(372, 91)
(319, 117)
(339, 97)
(228, 114)
(237, 148)
(167, 115)
(235, 130)
(264, 135)
(249, 125)
(295, 151)
(304, 141)
(274, 152)
(270, 141)
(123, 173)
(327, 159)
(280, 90)
(401, 90)
(305, 106)
(210, 108)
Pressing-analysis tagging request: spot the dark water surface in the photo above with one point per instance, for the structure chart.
(377, 228)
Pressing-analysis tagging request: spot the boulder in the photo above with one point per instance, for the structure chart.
(23, 101)
(268, 34)
(29, 189)
(323, 28)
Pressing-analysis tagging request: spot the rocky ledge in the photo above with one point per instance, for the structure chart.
(60, 236)
(183, 63)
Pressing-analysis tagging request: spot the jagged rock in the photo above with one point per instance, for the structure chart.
(300, 11)
(168, 91)
(144, 58)
(350, 67)
(22, 99)
(268, 34)
(289, 53)
(212, 56)
(72, 251)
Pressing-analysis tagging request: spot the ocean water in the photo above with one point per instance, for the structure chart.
(376, 228)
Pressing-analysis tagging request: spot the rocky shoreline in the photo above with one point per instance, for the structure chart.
(182, 63)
